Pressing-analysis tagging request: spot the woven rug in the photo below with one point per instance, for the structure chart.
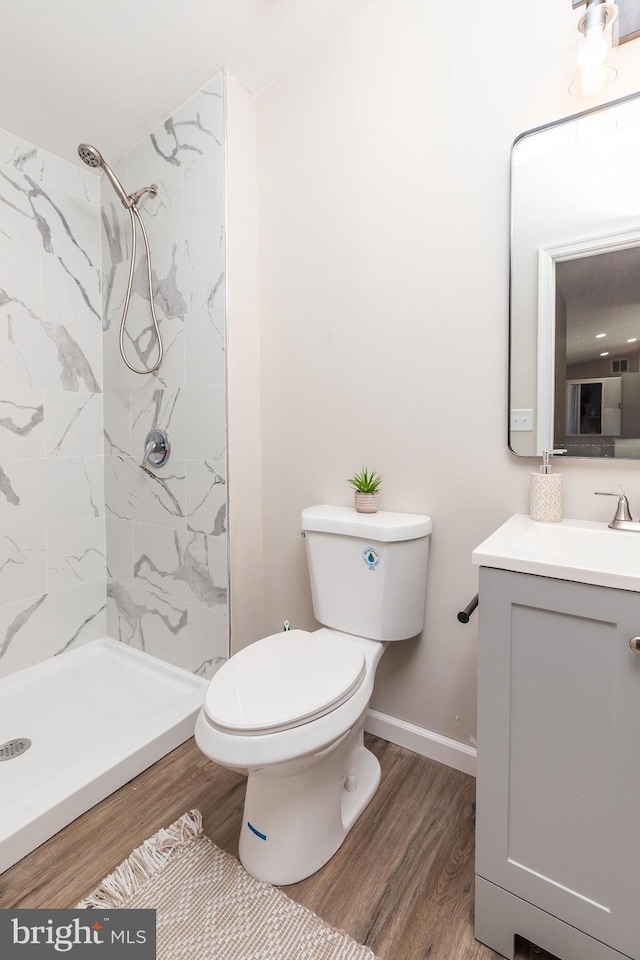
(209, 908)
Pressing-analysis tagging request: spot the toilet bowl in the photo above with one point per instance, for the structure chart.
(289, 710)
(309, 773)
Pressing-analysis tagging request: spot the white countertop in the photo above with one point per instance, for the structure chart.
(585, 551)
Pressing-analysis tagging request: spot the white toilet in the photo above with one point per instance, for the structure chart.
(289, 710)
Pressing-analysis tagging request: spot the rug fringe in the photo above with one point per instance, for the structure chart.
(145, 862)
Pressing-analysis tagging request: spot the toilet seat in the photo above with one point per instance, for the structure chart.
(283, 681)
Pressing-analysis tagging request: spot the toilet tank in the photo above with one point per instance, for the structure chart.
(368, 571)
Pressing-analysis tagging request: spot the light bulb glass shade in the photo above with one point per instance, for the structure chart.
(597, 48)
(593, 81)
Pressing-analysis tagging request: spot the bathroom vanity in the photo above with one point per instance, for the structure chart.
(558, 828)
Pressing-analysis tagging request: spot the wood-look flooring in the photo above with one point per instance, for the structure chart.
(402, 882)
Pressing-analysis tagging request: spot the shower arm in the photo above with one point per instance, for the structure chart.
(139, 194)
(134, 213)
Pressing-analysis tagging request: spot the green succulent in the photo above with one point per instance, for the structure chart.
(367, 481)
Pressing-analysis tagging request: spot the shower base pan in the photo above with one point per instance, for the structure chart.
(95, 718)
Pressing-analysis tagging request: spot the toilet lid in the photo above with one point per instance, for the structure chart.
(283, 681)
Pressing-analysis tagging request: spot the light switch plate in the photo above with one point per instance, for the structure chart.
(521, 420)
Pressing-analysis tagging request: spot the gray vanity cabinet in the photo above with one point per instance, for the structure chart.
(558, 829)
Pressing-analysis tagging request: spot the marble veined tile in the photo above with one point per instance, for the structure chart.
(195, 127)
(56, 224)
(141, 351)
(50, 491)
(80, 182)
(21, 424)
(67, 302)
(73, 424)
(117, 423)
(48, 624)
(169, 588)
(204, 220)
(74, 229)
(205, 338)
(50, 170)
(186, 157)
(207, 640)
(153, 408)
(185, 565)
(37, 354)
(214, 88)
(19, 275)
(133, 492)
(75, 552)
(163, 217)
(15, 152)
(148, 620)
(116, 251)
(169, 296)
(171, 271)
(23, 562)
(140, 340)
(119, 549)
(161, 156)
(199, 423)
(42, 213)
(206, 497)
(34, 352)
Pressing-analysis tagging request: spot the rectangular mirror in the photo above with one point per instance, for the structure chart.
(574, 341)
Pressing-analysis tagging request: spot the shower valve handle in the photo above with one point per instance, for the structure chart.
(157, 448)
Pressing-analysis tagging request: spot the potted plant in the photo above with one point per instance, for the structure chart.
(366, 486)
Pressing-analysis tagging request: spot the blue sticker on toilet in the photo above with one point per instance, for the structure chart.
(262, 836)
(371, 557)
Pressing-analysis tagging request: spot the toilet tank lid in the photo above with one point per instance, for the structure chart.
(384, 526)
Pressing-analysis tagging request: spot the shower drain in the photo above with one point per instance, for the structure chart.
(13, 748)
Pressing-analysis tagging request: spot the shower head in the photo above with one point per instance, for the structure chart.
(93, 158)
(89, 155)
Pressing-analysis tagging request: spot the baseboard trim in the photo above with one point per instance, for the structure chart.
(454, 754)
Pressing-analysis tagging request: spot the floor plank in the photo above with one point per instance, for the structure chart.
(402, 882)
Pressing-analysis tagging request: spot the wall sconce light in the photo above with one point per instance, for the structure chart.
(599, 33)
(603, 26)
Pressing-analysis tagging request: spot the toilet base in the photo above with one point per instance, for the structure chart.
(296, 815)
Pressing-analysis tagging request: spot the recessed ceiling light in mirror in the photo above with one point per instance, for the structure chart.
(600, 335)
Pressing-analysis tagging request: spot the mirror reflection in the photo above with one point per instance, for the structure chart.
(575, 286)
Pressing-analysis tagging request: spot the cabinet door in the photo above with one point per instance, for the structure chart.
(559, 750)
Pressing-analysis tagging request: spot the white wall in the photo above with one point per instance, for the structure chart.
(383, 190)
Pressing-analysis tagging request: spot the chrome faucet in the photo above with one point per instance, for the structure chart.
(622, 519)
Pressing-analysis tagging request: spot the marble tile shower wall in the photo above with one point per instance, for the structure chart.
(52, 537)
(166, 528)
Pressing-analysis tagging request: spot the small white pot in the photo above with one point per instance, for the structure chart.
(366, 502)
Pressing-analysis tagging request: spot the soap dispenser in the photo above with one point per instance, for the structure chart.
(545, 493)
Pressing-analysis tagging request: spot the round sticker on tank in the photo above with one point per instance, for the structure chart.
(371, 557)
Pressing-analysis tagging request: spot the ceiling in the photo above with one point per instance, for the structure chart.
(109, 72)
